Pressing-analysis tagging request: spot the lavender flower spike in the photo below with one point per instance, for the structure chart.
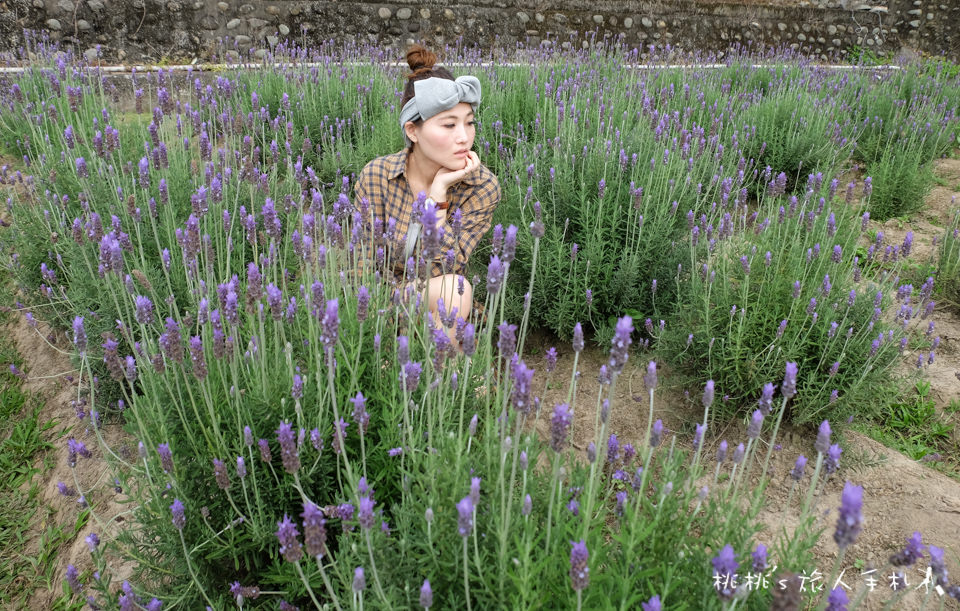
(708, 394)
(837, 600)
(579, 569)
(465, 516)
(798, 468)
(652, 605)
(559, 426)
(909, 555)
(426, 595)
(822, 445)
(290, 546)
(725, 566)
(850, 520)
(176, 510)
(650, 378)
(789, 386)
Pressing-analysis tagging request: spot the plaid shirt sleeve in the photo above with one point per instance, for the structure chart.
(476, 203)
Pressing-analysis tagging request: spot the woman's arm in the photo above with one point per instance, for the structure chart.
(477, 216)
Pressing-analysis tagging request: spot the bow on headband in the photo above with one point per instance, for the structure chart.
(435, 95)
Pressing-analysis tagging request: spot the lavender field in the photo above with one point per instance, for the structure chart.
(272, 424)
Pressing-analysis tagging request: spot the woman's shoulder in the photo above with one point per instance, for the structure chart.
(385, 166)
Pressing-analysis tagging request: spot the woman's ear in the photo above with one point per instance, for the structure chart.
(410, 128)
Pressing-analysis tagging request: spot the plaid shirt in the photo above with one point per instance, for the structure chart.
(383, 184)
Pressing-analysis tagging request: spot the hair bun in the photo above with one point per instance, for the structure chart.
(420, 60)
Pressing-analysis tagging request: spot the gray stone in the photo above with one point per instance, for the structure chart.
(915, 24)
(272, 41)
(273, 10)
(425, 13)
(256, 24)
(879, 9)
(53, 24)
(801, 37)
(232, 56)
(260, 53)
(284, 29)
(243, 40)
(929, 16)
(646, 22)
(65, 5)
(560, 18)
(404, 13)
(413, 27)
(782, 27)
(628, 22)
(38, 4)
(831, 29)
(90, 54)
(234, 23)
(246, 9)
(661, 24)
(385, 13)
(173, 7)
(295, 9)
(915, 11)
(523, 17)
(209, 22)
(598, 19)
(835, 42)
(83, 25)
(197, 5)
(448, 14)
(539, 17)
(96, 5)
(223, 6)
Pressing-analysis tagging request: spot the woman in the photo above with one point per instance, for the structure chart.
(437, 120)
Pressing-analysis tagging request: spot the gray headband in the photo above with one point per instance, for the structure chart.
(434, 95)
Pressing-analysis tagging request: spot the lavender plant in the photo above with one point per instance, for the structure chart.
(303, 434)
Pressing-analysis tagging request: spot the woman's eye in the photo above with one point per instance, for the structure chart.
(472, 123)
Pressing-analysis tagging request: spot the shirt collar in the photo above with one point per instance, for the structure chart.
(396, 164)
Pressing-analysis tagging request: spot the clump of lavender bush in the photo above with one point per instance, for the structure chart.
(304, 433)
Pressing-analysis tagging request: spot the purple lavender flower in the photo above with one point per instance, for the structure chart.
(789, 386)
(759, 556)
(314, 530)
(197, 358)
(410, 376)
(288, 448)
(822, 445)
(832, 461)
(475, 490)
(166, 458)
(591, 452)
(241, 467)
(909, 555)
(559, 426)
(176, 511)
(837, 600)
(738, 454)
(850, 518)
(465, 516)
(220, 474)
(656, 436)
(520, 393)
(798, 468)
(93, 542)
(507, 344)
(937, 565)
(621, 344)
(653, 604)
(330, 325)
(360, 415)
(579, 569)
(709, 393)
(756, 425)
(725, 566)
(527, 506)
(551, 359)
(265, 454)
(426, 595)
(577, 338)
(650, 378)
(495, 273)
(722, 451)
(73, 579)
(698, 436)
(339, 434)
(365, 512)
(79, 335)
(290, 547)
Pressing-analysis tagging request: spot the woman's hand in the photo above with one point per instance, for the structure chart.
(445, 178)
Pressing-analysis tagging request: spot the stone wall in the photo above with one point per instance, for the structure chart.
(180, 30)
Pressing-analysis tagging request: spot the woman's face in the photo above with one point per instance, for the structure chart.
(446, 138)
